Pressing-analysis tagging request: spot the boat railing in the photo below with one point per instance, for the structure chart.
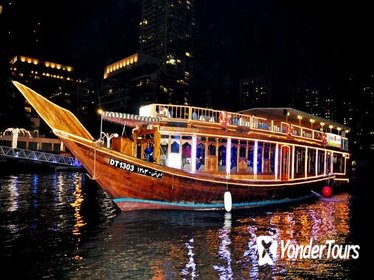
(231, 119)
(188, 113)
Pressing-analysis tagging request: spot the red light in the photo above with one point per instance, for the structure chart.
(326, 191)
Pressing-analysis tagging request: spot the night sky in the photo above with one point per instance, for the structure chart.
(289, 41)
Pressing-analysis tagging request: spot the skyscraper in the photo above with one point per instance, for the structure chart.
(321, 101)
(129, 83)
(254, 91)
(55, 81)
(167, 31)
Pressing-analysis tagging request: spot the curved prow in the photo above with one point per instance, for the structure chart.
(57, 118)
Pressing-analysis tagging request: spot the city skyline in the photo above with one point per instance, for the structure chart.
(311, 42)
(299, 48)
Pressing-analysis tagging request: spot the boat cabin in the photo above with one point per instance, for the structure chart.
(255, 144)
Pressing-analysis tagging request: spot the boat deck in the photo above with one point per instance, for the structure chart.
(292, 127)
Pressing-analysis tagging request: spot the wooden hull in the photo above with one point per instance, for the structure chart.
(135, 184)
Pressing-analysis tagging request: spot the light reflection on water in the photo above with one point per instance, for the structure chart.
(13, 193)
(65, 223)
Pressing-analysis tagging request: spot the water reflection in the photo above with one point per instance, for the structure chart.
(71, 227)
(153, 245)
(13, 193)
(224, 270)
(190, 267)
(77, 204)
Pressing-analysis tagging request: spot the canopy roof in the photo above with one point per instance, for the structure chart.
(128, 119)
(292, 115)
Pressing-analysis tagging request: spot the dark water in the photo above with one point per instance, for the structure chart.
(61, 226)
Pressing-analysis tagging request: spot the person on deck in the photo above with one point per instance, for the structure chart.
(149, 152)
(164, 112)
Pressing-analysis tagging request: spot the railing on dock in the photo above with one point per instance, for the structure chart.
(38, 156)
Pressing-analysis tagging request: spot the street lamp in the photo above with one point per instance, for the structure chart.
(322, 125)
(287, 115)
(101, 112)
(108, 137)
(300, 118)
(15, 132)
(331, 127)
(312, 121)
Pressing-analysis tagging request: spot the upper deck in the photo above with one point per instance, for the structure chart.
(282, 121)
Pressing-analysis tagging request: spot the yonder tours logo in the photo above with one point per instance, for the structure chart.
(267, 248)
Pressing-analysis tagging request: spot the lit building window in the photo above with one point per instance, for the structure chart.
(170, 61)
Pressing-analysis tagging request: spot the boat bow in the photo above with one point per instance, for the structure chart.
(57, 118)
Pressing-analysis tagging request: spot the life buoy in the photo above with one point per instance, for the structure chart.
(289, 131)
(324, 139)
(228, 119)
(223, 118)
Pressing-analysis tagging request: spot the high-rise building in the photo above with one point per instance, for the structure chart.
(56, 82)
(131, 82)
(312, 101)
(320, 102)
(363, 127)
(167, 32)
(254, 92)
(20, 29)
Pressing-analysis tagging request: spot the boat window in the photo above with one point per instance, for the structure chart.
(242, 165)
(174, 158)
(164, 154)
(251, 145)
(284, 160)
(186, 156)
(200, 157)
(222, 158)
(234, 158)
(311, 162)
(268, 158)
(212, 150)
(242, 151)
(265, 159)
(338, 162)
(175, 147)
(328, 163)
(321, 162)
(260, 159)
(139, 153)
(299, 162)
